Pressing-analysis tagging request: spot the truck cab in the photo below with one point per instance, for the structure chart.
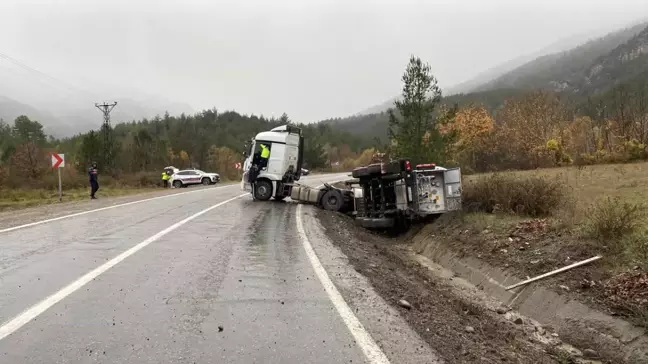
(283, 167)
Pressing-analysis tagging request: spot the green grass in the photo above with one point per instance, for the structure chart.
(11, 199)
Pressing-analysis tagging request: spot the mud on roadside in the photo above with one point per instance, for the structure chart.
(460, 331)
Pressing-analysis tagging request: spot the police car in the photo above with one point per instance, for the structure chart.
(188, 177)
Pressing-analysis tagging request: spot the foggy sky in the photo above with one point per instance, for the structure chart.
(312, 59)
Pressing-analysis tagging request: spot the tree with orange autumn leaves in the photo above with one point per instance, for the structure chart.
(473, 126)
(537, 130)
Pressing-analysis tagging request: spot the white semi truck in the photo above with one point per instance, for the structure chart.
(381, 195)
(284, 165)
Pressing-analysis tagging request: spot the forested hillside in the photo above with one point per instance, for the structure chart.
(626, 63)
(209, 140)
(565, 70)
(374, 126)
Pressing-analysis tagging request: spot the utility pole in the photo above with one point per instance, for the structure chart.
(105, 110)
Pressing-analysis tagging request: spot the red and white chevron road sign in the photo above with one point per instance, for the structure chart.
(58, 160)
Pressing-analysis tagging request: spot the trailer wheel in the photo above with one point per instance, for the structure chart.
(263, 190)
(332, 200)
(376, 222)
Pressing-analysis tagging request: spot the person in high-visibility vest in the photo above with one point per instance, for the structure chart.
(265, 154)
(165, 179)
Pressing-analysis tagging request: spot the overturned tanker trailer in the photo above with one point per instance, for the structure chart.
(382, 195)
(385, 195)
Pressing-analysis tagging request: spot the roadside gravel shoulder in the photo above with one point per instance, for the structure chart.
(389, 330)
(456, 328)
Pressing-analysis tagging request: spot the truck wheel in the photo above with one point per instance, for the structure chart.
(332, 200)
(393, 168)
(370, 170)
(374, 169)
(206, 181)
(359, 172)
(177, 184)
(279, 198)
(263, 190)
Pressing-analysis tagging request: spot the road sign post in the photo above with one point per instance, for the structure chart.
(58, 162)
(60, 186)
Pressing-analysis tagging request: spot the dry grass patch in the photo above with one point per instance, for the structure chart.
(589, 184)
(524, 195)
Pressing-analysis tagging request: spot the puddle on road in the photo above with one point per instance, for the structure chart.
(273, 239)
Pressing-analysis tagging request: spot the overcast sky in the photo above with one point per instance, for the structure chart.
(310, 58)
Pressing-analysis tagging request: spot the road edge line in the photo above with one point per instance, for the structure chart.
(6, 230)
(34, 311)
(369, 347)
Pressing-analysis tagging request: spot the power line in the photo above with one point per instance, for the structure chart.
(51, 78)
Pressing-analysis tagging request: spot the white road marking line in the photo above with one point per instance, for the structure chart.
(107, 208)
(369, 347)
(119, 205)
(17, 322)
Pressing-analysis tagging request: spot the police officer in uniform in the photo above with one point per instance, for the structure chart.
(94, 183)
(165, 178)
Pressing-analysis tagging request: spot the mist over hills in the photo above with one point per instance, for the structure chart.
(548, 64)
(65, 109)
(587, 69)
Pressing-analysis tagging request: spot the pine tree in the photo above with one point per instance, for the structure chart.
(413, 127)
(91, 150)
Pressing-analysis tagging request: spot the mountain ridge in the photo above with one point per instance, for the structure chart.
(507, 74)
(564, 70)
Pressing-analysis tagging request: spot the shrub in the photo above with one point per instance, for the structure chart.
(532, 195)
(612, 219)
(636, 248)
(634, 150)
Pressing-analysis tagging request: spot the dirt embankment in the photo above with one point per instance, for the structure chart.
(457, 328)
(558, 301)
(532, 222)
(533, 246)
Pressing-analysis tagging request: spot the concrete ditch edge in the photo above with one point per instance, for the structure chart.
(575, 322)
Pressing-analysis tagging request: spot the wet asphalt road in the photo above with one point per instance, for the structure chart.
(231, 286)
